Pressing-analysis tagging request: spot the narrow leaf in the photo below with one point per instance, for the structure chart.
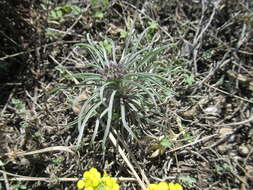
(109, 119)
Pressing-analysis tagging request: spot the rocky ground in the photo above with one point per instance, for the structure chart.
(204, 136)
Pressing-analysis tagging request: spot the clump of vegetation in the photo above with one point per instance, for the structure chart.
(124, 89)
(92, 180)
(152, 29)
(58, 17)
(99, 7)
(59, 12)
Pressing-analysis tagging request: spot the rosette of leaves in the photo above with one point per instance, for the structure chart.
(125, 88)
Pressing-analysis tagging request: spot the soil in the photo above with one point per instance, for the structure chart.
(208, 138)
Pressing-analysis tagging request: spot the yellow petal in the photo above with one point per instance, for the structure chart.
(105, 174)
(86, 174)
(95, 182)
(171, 186)
(163, 186)
(178, 187)
(93, 170)
(116, 186)
(80, 184)
(152, 187)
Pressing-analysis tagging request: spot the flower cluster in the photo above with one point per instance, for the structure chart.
(165, 186)
(113, 71)
(92, 180)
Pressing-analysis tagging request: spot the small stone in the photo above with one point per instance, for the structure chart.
(232, 139)
(223, 148)
(212, 110)
(225, 131)
(25, 162)
(243, 150)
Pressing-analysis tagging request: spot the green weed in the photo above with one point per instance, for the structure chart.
(151, 30)
(223, 168)
(187, 181)
(124, 34)
(58, 13)
(99, 7)
(18, 186)
(21, 110)
(106, 45)
(58, 16)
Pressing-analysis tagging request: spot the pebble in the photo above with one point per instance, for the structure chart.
(232, 139)
(212, 110)
(223, 148)
(243, 150)
(225, 131)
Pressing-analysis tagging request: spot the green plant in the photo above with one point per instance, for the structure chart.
(18, 186)
(186, 75)
(125, 90)
(124, 34)
(106, 45)
(21, 110)
(223, 168)
(58, 16)
(187, 181)
(165, 142)
(186, 136)
(58, 13)
(19, 105)
(98, 7)
(189, 78)
(57, 161)
(207, 55)
(160, 147)
(151, 30)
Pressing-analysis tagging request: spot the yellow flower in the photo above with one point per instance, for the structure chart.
(178, 187)
(92, 178)
(152, 187)
(110, 183)
(105, 174)
(163, 186)
(80, 185)
(175, 186)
